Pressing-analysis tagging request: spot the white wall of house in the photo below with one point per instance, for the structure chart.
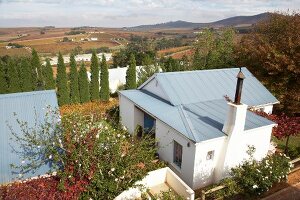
(204, 168)
(267, 108)
(126, 113)
(165, 136)
(130, 115)
(154, 87)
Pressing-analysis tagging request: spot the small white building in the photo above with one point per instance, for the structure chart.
(199, 134)
(94, 39)
(80, 57)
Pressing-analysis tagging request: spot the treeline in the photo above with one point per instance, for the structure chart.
(24, 75)
(75, 32)
(28, 74)
(144, 50)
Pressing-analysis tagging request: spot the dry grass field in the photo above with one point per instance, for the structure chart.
(51, 43)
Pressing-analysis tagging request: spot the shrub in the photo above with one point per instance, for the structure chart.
(256, 177)
(91, 155)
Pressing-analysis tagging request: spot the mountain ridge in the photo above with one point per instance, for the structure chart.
(231, 21)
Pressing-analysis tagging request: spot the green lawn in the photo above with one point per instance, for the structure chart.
(294, 145)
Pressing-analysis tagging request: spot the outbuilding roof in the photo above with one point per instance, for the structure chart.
(29, 107)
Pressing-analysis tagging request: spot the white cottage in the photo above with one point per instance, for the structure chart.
(198, 132)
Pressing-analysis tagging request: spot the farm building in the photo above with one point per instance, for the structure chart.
(79, 58)
(200, 134)
(30, 107)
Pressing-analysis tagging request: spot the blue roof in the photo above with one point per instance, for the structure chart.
(207, 85)
(28, 107)
(196, 121)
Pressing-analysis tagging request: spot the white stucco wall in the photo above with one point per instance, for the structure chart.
(130, 115)
(154, 87)
(126, 113)
(267, 108)
(165, 136)
(204, 170)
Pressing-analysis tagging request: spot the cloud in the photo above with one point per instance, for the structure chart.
(119, 13)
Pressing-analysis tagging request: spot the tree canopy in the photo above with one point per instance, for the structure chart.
(131, 74)
(94, 88)
(74, 91)
(61, 82)
(271, 52)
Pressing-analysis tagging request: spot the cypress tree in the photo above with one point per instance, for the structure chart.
(104, 82)
(37, 71)
(13, 77)
(3, 82)
(61, 82)
(197, 63)
(84, 92)
(25, 76)
(94, 77)
(131, 74)
(49, 81)
(74, 92)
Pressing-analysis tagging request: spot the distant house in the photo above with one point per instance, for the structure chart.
(30, 107)
(94, 39)
(199, 134)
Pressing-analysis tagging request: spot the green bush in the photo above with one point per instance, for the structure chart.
(256, 177)
(89, 152)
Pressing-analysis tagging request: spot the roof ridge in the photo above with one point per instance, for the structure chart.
(31, 93)
(188, 125)
(193, 71)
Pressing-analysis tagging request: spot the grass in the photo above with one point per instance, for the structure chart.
(293, 146)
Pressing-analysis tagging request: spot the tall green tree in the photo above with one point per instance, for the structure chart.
(197, 63)
(84, 91)
(131, 74)
(147, 70)
(272, 53)
(13, 77)
(94, 85)
(62, 82)
(104, 81)
(49, 81)
(37, 70)
(214, 50)
(25, 75)
(3, 82)
(74, 91)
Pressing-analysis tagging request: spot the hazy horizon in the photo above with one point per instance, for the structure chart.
(118, 13)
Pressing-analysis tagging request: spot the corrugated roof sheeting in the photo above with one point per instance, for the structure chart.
(206, 85)
(28, 107)
(197, 121)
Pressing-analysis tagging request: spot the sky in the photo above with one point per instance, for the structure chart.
(127, 13)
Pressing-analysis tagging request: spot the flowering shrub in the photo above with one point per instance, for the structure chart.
(90, 155)
(256, 177)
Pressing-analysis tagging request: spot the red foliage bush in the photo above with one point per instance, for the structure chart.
(41, 188)
(287, 126)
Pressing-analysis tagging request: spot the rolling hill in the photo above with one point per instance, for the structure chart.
(232, 21)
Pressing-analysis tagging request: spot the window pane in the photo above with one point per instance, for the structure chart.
(177, 154)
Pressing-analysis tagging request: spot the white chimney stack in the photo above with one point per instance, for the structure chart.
(233, 127)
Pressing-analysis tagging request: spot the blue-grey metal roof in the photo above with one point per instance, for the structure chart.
(28, 107)
(197, 121)
(207, 85)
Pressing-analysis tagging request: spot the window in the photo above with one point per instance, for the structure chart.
(210, 155)
(177, 154)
